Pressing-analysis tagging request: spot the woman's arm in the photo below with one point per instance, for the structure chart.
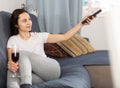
(53, 38)
(11, 65)
(9, 50)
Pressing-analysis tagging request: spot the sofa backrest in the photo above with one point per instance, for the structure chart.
(4, 30)
(4, 35)
(35, 25)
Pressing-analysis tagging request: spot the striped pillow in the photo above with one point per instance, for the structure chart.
(76, 46)
(53, 50)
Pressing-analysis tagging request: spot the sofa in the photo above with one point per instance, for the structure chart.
(73, 71)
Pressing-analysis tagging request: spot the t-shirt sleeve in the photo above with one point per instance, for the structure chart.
(42, 36)
(10, 42)
(45, 37)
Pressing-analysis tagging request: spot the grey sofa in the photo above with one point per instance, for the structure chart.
(73, 75)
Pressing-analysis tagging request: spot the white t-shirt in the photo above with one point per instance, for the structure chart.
(34, 44)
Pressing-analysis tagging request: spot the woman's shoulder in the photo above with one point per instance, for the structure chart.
(13, 37)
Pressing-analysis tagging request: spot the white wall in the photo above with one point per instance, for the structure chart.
(10, 5)
(96, 32)
(113, 28)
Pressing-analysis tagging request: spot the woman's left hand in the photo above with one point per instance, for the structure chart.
(88, 20)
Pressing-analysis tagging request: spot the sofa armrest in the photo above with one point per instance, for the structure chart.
(100, 76)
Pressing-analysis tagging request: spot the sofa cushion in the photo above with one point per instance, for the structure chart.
(76, 46)
(53, 50)
(35, 25)
(73, 76)
(3, 71)
(100, 57)
(4, 31)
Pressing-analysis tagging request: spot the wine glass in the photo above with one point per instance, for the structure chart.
(15, 57)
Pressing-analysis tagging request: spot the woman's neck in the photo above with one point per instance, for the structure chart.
(25, 36)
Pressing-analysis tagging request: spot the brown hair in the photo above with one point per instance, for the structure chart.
(14, 20)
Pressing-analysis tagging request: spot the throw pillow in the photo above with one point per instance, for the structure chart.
(53, 50)
(76, 46)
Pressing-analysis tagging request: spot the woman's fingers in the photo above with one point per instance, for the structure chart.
(89, 19)
(12, 66)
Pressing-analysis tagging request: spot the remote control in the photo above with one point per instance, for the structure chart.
(90, 17)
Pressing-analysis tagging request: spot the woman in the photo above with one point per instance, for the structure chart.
(33, 66)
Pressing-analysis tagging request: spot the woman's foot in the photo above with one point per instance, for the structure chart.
(26, 86)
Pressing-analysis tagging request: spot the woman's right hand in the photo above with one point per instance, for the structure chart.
(12, 66)
(88, 20)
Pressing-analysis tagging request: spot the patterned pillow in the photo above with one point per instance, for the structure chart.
(76, 46)
(53, 50)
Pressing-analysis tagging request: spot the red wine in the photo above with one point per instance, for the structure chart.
(15, 57)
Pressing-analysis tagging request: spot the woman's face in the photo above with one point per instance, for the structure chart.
(24, 22)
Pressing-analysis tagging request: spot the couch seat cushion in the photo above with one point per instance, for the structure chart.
(74, 76)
